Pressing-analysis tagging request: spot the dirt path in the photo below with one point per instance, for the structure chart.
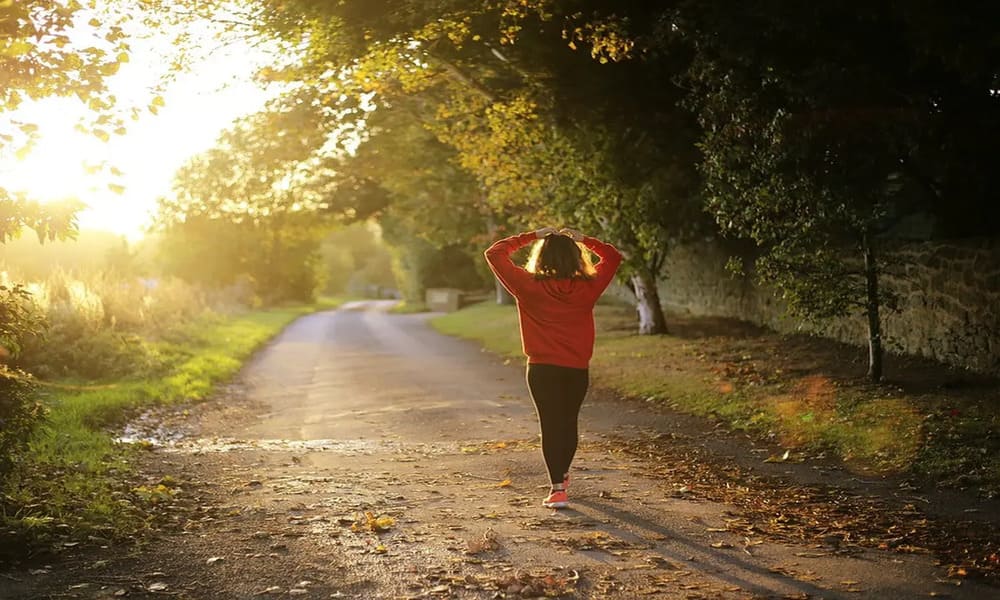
(365, 456)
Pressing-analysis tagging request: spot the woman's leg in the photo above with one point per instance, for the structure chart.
(557, 393)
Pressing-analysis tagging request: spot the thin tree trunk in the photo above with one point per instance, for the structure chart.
(503, 296)
(872, 310)
(647, 304)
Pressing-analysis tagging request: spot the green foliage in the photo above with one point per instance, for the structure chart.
(18, 318)
(419, 265)
(41, 56)
(246, 210)
(20, 411)
(355, 259)
(74, 475)
(541, 133)
(814, 145)
(936, 436)
(97, 327)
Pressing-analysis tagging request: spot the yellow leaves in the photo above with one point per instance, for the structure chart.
(155, 494)
(369, 522)
(156, 104)
(109, 69)
(609, 40)
(505, 483)
(16, 48)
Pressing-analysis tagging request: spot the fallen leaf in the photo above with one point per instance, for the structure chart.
(157, 587)
(214, 559)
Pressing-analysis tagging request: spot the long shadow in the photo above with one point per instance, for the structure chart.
(726, 566)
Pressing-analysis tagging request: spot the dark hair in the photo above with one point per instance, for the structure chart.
(557, 256)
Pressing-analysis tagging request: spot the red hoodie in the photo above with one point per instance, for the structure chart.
(556, 315)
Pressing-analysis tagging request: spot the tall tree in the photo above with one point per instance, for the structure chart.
(826, 122)
(500, 82)
(262, 188)
(430, 204)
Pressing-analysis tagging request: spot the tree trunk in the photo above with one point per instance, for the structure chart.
(503, 296)
(647, 304)
(872, 311)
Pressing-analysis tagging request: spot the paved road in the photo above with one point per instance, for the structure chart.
(374, 458)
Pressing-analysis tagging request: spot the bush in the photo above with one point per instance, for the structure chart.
(20, 410)
(102, 327)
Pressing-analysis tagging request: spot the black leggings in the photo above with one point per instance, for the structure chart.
(558, 394)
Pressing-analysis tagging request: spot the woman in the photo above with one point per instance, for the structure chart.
(556, 293)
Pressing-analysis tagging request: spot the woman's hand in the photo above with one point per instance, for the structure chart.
(544, 231)
(576, 235)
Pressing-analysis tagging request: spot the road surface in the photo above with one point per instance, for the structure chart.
(365, 456)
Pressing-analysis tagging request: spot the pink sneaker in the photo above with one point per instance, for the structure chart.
(557, 499)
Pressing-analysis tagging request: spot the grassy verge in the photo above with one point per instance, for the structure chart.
(408, 308)
(804, 393)
(74, 481)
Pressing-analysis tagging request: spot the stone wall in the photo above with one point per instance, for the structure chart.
(949, 299)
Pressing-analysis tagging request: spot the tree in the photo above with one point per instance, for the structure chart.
(356, 259)
(40, 57)
(525, 114)
(253, 206)
(434, 210)
(824, 123)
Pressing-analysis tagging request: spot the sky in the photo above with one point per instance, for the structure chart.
(198, 106)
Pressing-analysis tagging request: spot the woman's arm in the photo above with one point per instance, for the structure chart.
(610, 257)
(511, 276)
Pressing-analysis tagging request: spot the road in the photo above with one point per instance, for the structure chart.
(366, 456)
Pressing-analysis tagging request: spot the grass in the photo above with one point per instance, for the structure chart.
(75, 478)
(802, 392)
(408, 308)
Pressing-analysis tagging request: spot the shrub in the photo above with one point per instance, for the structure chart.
(20, 410)
(101, 327)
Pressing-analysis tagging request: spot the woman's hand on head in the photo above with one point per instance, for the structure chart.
(576, 235)
(544, 231)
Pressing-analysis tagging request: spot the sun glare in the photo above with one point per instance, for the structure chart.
(67, 163)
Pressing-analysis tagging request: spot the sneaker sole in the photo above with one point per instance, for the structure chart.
(555, 504)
